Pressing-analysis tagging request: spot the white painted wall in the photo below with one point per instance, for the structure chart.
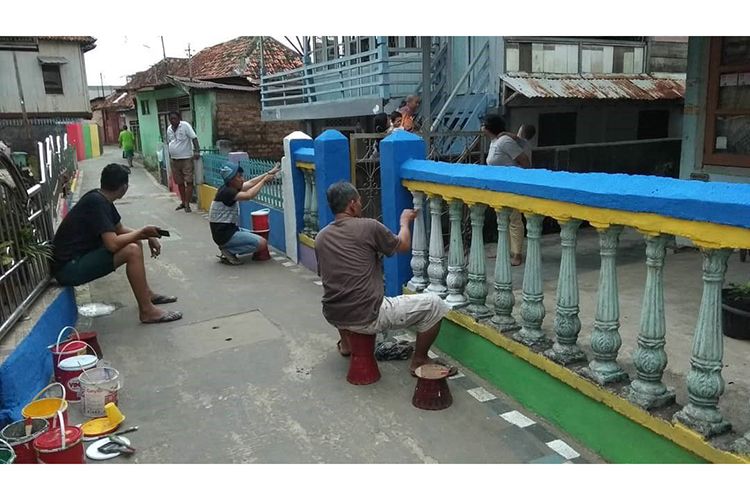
(75, 98)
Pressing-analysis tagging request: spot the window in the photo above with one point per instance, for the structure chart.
(728, 103)
(52, 79)
(144, 107)
(556, 129)
(653, 124)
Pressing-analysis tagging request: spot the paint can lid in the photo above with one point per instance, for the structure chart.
(262, 211)
(52, 439)
(78, 362)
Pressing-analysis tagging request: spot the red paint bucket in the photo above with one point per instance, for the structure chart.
(47, 408)
(15, 435)
(72, 368)
(262, 254)
(60, 446)
(89, 338)
(65, 349)
(260, 220)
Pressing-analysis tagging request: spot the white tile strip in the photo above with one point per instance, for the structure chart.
(431, 354)
(518, 419)
(319, 283)
(457, 375)
(288, 264)
(278, 259)
(562, 448)
(482, 395)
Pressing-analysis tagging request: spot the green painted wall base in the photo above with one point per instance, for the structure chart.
(616, 438)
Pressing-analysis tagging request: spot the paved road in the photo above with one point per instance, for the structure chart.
(251, 373)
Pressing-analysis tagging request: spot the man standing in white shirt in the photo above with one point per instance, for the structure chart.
(504, 150)
(183, 149)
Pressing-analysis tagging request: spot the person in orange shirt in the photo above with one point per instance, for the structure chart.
(408, 112)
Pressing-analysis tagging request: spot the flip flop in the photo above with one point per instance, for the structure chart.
(344, 354)
(452, 370)
(163, 299)
(180, 207)
(169, 316)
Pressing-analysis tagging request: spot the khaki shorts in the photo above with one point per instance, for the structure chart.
(182, 171)
(421, 311)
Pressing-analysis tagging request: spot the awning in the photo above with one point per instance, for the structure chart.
(634, 87)
(52, 60)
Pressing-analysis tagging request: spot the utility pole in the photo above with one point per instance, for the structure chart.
(163, 51)
(101, 82)
(190, 62)
(25, 117)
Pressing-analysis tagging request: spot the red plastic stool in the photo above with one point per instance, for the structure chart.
(432, 392)
(262, 254)
(363, 368)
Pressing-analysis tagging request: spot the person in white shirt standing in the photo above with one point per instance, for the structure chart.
(505, 150)
(183, 149)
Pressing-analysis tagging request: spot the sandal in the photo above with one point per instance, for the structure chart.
(344, 354)
(163, 299)
(181, 206)
(169, 316)
(452, 370)
(389, 351)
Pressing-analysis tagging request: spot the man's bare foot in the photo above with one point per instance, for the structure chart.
(516, 259)
(157, 315)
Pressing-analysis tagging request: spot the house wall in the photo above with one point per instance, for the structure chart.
(149, 127)
(205, 112)
(75, 96)
(693, 138)
(597, 121)
(238, 120)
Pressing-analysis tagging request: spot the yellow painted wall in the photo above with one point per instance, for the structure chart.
(206, 195)
(93, 130)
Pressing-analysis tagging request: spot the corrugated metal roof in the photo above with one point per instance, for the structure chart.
(205, 84)
(638, 87)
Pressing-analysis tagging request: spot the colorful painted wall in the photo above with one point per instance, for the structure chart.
(85, 137)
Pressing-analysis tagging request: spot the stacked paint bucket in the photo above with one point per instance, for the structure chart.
(70, 359)
(262, 228)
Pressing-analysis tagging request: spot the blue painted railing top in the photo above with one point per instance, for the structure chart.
(305, 154)
(715, 202)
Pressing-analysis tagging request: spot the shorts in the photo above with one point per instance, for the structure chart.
(86, 268)
(127, 154)
(421, 311)
(182, 171)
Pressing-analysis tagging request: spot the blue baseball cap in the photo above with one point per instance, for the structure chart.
(228, 171)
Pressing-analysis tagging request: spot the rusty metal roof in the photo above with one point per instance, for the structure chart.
(636, 87)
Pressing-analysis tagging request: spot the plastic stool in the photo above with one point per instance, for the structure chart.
(363, 368)
(432, 392)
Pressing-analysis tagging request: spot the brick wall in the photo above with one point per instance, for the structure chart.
(238, 119)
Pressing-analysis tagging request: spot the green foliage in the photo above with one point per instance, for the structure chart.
(739, 292)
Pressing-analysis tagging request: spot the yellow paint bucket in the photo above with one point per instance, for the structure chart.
(46, 407)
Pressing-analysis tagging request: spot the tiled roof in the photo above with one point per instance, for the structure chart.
(157, 74)
(207, 84)
(241, 57)
(119, 99)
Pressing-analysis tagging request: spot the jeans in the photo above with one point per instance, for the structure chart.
(243, 242)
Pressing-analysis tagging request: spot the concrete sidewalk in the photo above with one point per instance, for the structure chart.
(251, 373)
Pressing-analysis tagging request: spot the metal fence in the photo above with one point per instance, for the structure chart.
(270, 194)
(27, 208)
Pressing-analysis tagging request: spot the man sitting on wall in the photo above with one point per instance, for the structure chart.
(349, 252)
(91, 242)
(224, 214)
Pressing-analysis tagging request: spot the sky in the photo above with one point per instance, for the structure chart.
(119, 55)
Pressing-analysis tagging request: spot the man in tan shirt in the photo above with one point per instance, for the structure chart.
(349, 252)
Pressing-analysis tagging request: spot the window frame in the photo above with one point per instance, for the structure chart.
(53, 90)
(715, 69)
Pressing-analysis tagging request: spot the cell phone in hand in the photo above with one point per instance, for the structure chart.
(163, 232)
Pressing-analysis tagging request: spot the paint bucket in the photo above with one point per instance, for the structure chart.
(89, 338)
(99, 386)
(260, 220)
(60, 446)
(7, 455)
(70, 370)
(47, 408)
(15, 435)
(66, 349)
(262, 254)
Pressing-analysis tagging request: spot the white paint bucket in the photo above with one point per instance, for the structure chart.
(99, 386)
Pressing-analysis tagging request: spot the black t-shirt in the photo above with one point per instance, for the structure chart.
(223, 216)
(80, 231)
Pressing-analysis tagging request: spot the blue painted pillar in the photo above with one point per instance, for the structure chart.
(298, 179)
(395, 150)
(331, 166)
